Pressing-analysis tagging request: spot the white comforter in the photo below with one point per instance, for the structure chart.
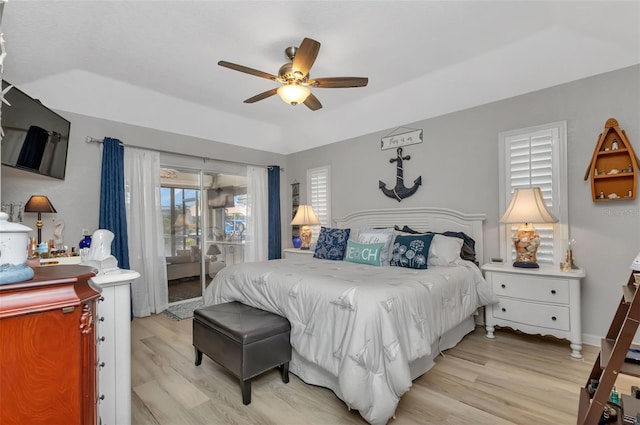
(362, 324)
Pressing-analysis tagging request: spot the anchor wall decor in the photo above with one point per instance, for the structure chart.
(399, 192)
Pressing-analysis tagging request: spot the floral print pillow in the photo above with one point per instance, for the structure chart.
(332, 243)
(411, 251)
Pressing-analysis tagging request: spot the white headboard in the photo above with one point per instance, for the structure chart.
(424, 219)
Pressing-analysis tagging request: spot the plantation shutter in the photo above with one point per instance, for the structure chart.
(318, 188)
(532, 158)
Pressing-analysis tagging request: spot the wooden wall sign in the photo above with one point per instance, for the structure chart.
(398, 140)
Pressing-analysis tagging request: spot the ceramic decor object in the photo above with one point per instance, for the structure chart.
(14, 240)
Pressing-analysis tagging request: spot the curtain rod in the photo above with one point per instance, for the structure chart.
(90, 139)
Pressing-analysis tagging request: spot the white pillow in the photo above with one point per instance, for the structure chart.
(386, 236)
(444, 250)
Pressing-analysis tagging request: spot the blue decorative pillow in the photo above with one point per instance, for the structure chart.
(332, 243)
(411, 251)
(363, 253)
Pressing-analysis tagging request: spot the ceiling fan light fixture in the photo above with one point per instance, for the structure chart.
(293, 93)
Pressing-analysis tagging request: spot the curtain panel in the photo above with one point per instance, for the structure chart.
(275, 233)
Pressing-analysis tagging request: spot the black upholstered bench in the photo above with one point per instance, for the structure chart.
(245, 340)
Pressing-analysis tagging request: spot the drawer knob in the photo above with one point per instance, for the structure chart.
(101, 397)
(101, 299)
(503, 286)
(102, 318)
(554, 318)
(102, 339)
(503, 309)
(101, 365)
(553, 291)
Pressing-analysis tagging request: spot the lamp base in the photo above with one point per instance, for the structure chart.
(305, 237)
(526, 265)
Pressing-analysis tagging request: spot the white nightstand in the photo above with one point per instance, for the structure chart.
(543, 301)
(292, 252)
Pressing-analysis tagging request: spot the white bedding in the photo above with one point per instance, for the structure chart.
(362, 324)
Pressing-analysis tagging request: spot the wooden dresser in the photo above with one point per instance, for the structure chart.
(48, 348)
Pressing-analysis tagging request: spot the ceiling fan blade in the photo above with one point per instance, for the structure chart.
(247, 70)
(312, 102)
(261, 96)
(305, 56)
(339, 82)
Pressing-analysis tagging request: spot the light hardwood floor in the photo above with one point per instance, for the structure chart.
(514, 379)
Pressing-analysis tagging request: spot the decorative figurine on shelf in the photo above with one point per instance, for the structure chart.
(568, 263)
(614, 145)
(297, 242)
(57, 233)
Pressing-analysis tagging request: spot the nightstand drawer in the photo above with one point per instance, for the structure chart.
(542, 315)
(531, 288)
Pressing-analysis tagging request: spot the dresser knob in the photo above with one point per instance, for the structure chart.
(503, 286)
(553, 291)
(100, 299)
(102, 339)
(101, 318)
(503, 309)
(101, 365)
(101, 397)
(554, 318)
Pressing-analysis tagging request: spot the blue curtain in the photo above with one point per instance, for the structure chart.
(275, 237)
(112, 207)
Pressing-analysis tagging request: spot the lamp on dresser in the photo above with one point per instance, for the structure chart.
(527, 206)
(39, 204)
(305, 217)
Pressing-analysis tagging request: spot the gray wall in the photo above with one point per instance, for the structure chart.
(77, 198)
(458, 162)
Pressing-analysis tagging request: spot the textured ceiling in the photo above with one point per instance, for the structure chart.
(154, 63)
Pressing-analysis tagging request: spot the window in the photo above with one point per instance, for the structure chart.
(319, 196)
(181, 219)
(536, 157)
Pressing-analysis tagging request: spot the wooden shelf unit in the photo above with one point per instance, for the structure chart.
(610, 362)
(613, 152)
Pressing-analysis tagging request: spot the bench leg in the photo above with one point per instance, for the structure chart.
(246, 391)
(198, 356)
(284, 372)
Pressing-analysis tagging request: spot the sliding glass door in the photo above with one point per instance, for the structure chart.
(204, 222)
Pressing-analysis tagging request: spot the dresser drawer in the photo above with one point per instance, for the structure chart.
(531, 288)
(533, 314)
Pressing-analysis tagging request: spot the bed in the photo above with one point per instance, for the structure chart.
(363, 331)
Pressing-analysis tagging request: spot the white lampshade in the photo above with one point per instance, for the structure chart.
(527, 206)
(293, 93)
(305, 216)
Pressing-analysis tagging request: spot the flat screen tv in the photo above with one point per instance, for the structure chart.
(36, 139)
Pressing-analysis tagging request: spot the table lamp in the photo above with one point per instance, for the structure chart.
(527, 206)
(305, 217)
(39, 204)
(213, 252)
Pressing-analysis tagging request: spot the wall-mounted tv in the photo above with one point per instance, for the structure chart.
(35, 138)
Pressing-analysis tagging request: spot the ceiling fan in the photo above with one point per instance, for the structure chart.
(295, 79)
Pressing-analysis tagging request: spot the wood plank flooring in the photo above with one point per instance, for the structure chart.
(514, 379)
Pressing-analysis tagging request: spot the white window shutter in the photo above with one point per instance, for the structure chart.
(319, 194)
(536, 157)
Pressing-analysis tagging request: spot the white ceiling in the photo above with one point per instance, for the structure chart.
(154, 63)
